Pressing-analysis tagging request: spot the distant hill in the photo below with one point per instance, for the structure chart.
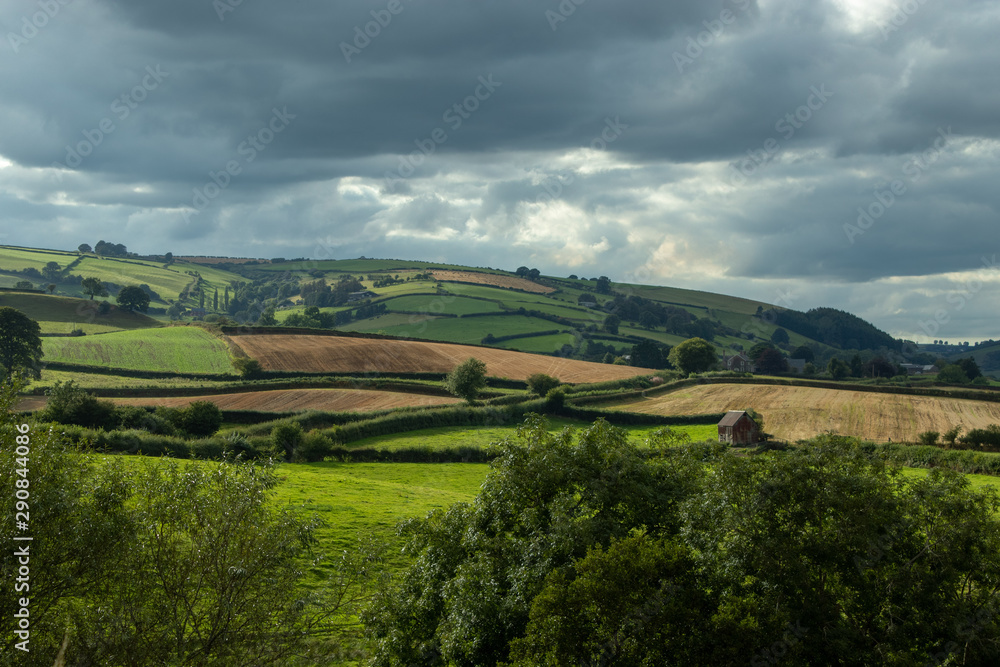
(589, 318)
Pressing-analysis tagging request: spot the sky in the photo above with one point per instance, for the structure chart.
(805, 153)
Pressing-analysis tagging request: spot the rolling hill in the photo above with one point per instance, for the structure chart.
(577, 317)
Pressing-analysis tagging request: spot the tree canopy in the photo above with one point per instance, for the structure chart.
(20, 342)
(93, 287)
(695, 355)
(133, 298)
(592, 550)
(467, 379)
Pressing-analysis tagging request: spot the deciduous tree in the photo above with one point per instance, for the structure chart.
(133, 298)
(93, 287)
(695, 355)
(20, 343)
(467, 379)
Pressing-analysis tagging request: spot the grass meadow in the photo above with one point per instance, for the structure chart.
(169, 349)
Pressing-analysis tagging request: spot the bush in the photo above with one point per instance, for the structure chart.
(69, 404)
(983, 438)
(555, 399)
(314, 447)
(201, 418)
(248, 368)
(540, 384)
(286, 438)
(928, 438)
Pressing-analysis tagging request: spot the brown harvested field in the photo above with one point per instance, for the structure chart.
(793, 413)
(492, 280)
(294, 400)
(335, 354)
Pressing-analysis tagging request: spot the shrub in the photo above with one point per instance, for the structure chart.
(314, 447)
(988, 437)
(69, 404)
(541, 384)
(929, 438)
(951, 435)
(248, 368)
(286, 438)
(555, 399)
(201, 418)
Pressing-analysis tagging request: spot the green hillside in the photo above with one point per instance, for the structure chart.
(516, 310)
(182, 282)
(167, 349)
(59, 314)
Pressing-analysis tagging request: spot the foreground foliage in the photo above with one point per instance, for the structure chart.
(156, 562)
(588, 550)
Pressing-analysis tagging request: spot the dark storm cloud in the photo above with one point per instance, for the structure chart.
(747, 137)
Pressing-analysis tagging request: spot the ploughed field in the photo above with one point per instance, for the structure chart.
(492, 280)
(793, 413)
(335, 354)
(294, 400)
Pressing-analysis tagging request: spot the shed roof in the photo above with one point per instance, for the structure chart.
(732, 417)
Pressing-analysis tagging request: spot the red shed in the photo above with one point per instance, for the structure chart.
(738, 428)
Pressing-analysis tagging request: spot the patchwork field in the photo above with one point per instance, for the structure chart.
(792, 413)
(492, 280)
(334, 354)
(293, 400)
(169, 349)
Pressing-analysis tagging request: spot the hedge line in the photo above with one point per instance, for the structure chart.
(923, 456)
(128, 372)
(454, 416)
(633, 418)
(530, 334)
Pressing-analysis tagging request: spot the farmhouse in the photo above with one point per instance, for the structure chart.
(738, 362)
(797, 365)
(738, 428)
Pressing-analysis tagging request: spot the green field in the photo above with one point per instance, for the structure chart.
(102, 381)
(359, 498)
(436, 304)
(469, 330)
(170, 349)
(538, 344)
(168, 283)
(17, 259)
(59, 314)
